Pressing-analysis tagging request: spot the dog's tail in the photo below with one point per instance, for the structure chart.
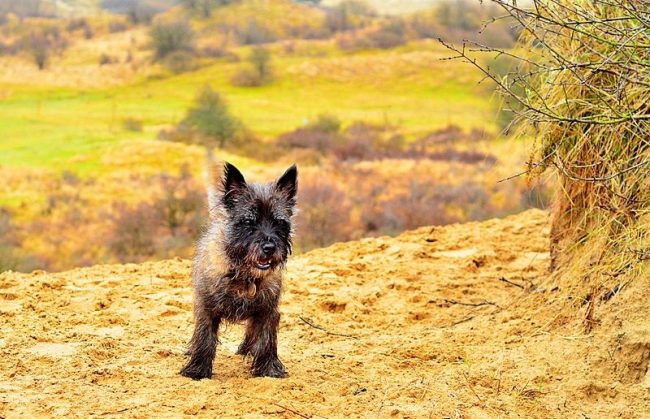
(213, 175)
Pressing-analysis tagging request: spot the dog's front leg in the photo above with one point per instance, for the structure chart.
(203, 346)
(264, 348)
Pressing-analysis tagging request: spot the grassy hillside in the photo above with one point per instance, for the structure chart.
(409, 87)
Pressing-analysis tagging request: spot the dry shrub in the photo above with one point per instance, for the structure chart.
(463, 156)
(214, 51)
(168, 36)
(165, 227)
(348, 15)
(584, 93)
(203, 8)
(254, 32)
(117, 25)
(327, 123)
(13, 255)
(388, 34)
(324, 136)
(324, 216)
(141, 12)
(180, 133)
(601, 214)
(181, 207)
(134, 232)
(105, 59)
(307, 138)
(364, 141)
(318, 135)
(258, 72)
(43, 42)
(361, 141)
(464, 19)
(422, 201)
(180, 62)
(132, 124)
(389, 202)
(9, 48)
(448, 135)
(9, 242)
(76, 24)
(426, 203)
(246, 77)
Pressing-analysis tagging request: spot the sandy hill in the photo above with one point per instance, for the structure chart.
(433, 322)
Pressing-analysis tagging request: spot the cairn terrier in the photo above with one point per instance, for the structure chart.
(237, 270)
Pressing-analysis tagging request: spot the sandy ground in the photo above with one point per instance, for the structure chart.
(413, 326)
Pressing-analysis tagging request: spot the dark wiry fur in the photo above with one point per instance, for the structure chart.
(230, 275)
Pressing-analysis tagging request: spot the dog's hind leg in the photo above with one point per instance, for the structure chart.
(249, 340)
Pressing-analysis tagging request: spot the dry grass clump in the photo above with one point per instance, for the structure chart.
(586, 80)
(600, 148)
(581, 85)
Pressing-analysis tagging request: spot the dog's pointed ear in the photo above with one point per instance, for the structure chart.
(233, 184)
(288, 183)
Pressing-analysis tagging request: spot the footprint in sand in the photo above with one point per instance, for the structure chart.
(110, 332)
(462, 253)
(11, 307)
(54, 350)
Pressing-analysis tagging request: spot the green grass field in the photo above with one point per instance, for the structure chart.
(46, 125)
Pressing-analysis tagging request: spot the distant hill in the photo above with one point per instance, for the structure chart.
(393, 7)
(32, 8)
(67, 8)
(86, 7)
(125, 6)
(401, 7)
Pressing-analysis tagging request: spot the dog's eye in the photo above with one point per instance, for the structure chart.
(280, 222)
(248, 222)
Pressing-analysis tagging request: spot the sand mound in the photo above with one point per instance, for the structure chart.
(427, 323)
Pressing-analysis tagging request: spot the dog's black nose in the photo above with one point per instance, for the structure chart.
(268, 248)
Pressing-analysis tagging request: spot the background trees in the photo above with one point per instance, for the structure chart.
(210, 117)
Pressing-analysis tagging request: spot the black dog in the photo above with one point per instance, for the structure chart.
(237, 272)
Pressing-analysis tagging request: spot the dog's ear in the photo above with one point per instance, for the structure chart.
(233, 184)
(288, 183)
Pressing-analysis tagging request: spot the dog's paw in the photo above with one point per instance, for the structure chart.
(273, 369)
(196, 372)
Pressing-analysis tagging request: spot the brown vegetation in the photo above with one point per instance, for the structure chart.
(340, 201)
(258, 70)
(582, 89)
(363, 141)
(165, 227)
(170, 36)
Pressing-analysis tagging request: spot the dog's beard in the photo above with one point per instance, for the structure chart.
(258, 264)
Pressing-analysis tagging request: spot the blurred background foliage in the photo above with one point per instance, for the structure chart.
(108, 109)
